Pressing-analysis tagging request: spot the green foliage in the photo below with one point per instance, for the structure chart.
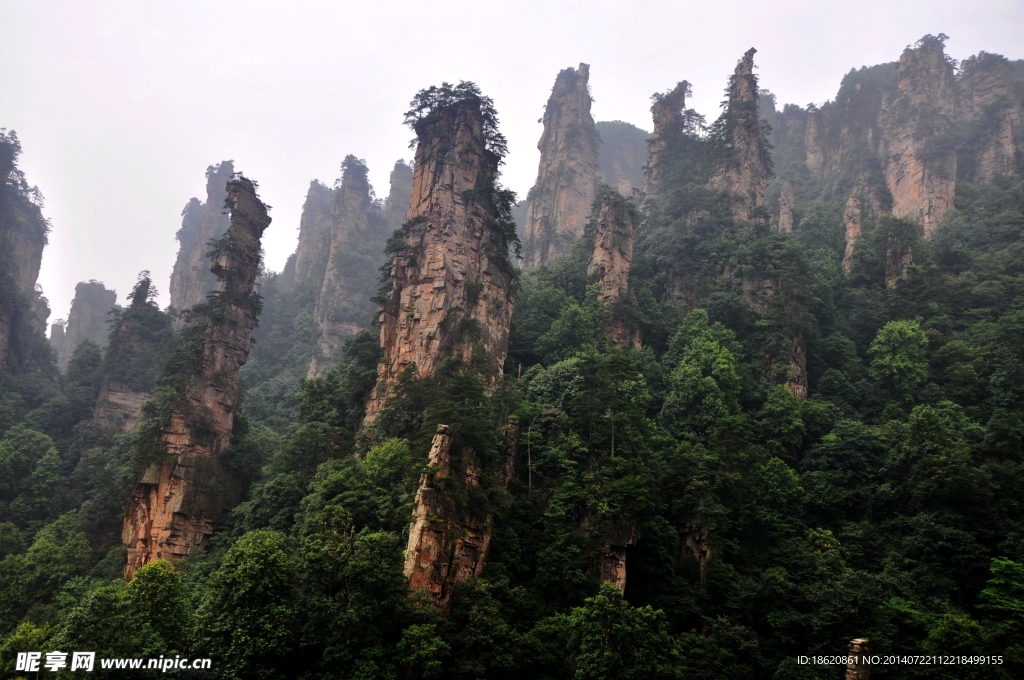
(898, 357)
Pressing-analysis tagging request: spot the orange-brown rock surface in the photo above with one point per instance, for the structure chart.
(191, 279)
(315, 227)
(667, 114)
(858, 666)
(920, 171)
(988, 99)
(852, 221)
(560, 201)
(743, 161)
(87, 320)
(451, 280)
(177, 502)
(609, 265)
(358, 234)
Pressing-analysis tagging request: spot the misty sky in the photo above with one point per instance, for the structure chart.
(121, 106)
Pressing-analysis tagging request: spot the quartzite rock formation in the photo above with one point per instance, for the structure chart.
(358, 234)
(560, 201)
(452, 284)
(852, 220)
(786, 204)
(191, 279)
(610, 262)
(176, 504)
(315, 227)
(920, 174)
(858, 666)
(396, 207)
(814, 142)
(989, 100)
(742, 165)
(621, 156)
(139, 344)
(87, 320)
(667, 113)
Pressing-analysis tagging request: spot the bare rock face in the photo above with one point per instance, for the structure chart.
(90, 311)
(667, 113)
(787, 201)
(315, 227)
(814, 143)
(920, 174)
(176, 504)
(742, 165)
(852, 220)
(610, 262)
(621, 156)
(986, 91)
(58, 336)
(139, 344)
(561, 199)
(343, 305)
(396, 207)
(191, 279)
(452, 284)
(859, 665)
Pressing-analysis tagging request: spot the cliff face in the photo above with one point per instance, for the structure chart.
(988, 101)
(87, 320)
(667, 113)
(814, 143)
(742, 163)
(621, 156)
(176, 504)
(920, 171)
(787, 201)
(358, 234)
(396, 207)
(315, 227)
(852, 221)
(191, 279)
(452, 284)
(561, 199)
(610, 262)
(139, 345)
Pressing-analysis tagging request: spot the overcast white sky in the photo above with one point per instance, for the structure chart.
(121, 106)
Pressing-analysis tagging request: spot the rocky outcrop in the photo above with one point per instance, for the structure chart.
(191, 279)
(858, 666)
(621, 156)
(787, 201)
(58, 337)
(87, 320)
(919, 166)
(796, 380)
(176, 504)
(140, 342)
(988, 102)
(667, 113)
(852, 220)
(609, 265)
(814, 142)
(396, 206)
(561, 199)
(451, 279)
(358, 234)
(315, 228)
(742, 162)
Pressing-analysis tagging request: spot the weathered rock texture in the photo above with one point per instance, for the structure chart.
(667, 113)
(852, 220)
(814, 142)
(610, 262)
(787, 201)
(58, 336)
(396, 207)
(140, 343)
(621, 156)
(920, 168)
(175, 506)
(23, 232)
(446, 544)
(988, 100)
(358, 234)
(452, 283)
(560, 201)
(859, 665)
(87, 320)
(743, 162)
(315, 228)
(191, 279)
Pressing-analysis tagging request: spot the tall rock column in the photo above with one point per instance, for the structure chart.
(396, 206)
(787, 201)
(175, 506)
(987, 100)
(667, 113)
(87, 320)
(610, 262)
(452, 283)
(561, 199)
(201, 222)
(315, 228)
(919, 170)
(852, 220)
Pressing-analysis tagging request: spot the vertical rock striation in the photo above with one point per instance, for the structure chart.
(87, 320)
(919, 166)
(610, 262)
(988, 103)
(742, 162)
(315, 227)
(852, 220)
(452, 283)
(396, 207)
(358, 234)
(814, 143)
(667, 114)
(561, 199)
(191, 279)
(787, 201)
(176, 504)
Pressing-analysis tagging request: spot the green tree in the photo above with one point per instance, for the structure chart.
(899, 358)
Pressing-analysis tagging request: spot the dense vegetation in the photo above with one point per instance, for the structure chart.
(887, 505)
